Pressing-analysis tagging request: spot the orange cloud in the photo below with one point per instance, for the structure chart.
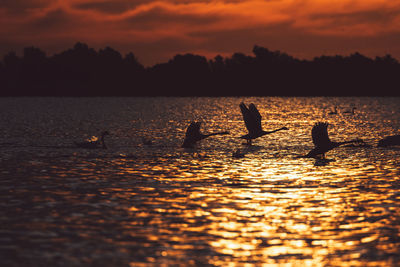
(198, 25)
(350, 18)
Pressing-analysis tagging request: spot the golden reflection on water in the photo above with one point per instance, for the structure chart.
(165, 205)
(278, 215)
(307, 221)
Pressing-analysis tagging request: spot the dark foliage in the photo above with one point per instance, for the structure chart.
(83, 71)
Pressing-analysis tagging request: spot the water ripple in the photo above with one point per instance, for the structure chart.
(140, 205)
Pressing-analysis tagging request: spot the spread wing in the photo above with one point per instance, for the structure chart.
(256, 114)
(251, 117)
(193, 129)
(320, 134)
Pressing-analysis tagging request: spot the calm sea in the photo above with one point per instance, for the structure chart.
(162, 205)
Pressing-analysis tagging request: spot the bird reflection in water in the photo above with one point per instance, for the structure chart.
(238, 154)
(322, 161)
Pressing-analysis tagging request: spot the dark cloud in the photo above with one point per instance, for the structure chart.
(121, 6)
(159, 17)
(22, 6)
(157, 30)
(112, 7)
(372, 17)
(53, 21)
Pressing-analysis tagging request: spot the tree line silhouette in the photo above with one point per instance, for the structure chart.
(83, 71)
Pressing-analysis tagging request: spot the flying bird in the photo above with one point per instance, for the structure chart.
(322, 142)
(94, 142)
(252, 120)
(393, 140)
(193, 134)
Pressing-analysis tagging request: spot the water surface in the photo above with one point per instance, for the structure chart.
(139, 205)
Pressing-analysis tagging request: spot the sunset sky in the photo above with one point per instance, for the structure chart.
(157, 30)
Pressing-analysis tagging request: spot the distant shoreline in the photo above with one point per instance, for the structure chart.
(83, 71)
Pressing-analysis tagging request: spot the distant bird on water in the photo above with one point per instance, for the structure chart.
(94, 142)
(193, 134)
(334, 112)
(147, 141)
(252, 120)
(322, 142)
(393, 140)
(350, 111)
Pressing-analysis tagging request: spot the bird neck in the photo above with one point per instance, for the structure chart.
(102, 141)
(218, 133)
(273, 131)
(348, 142)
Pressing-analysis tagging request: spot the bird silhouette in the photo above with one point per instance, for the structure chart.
(252, 120)
(193, 135)
(94, 142)
(350, 111)
(322, 142)
(393, 140)
(334, 112)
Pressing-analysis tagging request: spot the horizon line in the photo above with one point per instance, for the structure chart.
(224, 55)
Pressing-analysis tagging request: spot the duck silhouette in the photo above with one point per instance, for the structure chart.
(147, 141)
(193, 135)
(334, 112)
(322, 141)
(252, 120)
(350, 111)
(94, 142)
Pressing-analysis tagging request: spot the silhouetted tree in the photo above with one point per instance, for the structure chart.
(217, 64)
(82, 71)
(183, 75)
(218, 75)
(281, 70)
(74, 70)
(34, 70)
(134, 76)
(12, 74)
